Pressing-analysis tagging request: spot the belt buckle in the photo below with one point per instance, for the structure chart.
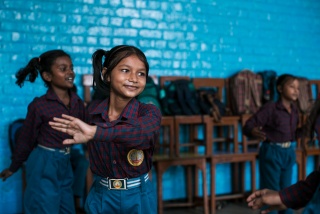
(287, 144)
(67, 150)
(118, 184)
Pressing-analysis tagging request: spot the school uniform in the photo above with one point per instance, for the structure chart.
(80, 164)
(48, 169)
(299, 194)
(120, 158)
(276, 153)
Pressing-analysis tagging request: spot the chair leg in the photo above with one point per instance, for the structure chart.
(212, 188)
(204, 186)
(189, 184)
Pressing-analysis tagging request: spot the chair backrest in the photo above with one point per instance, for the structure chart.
(14, 130)
(164, 80)
(249, 144)
(315, 88)
(164, 147)
(217, 83)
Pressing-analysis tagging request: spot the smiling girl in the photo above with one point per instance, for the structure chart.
(48, 169)
(121, 135)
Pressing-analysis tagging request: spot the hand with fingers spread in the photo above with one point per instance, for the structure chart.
(265, 197)
(6, 173)
(256, 132)
(79, 130)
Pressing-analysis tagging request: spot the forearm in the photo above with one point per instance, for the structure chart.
(299, 194)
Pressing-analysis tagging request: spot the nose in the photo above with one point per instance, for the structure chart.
(70, 71)
(132, 77)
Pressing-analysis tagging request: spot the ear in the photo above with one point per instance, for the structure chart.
(46, 76)
(279, 88)
(103, 73)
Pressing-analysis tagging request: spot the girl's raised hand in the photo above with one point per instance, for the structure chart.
(79, 130)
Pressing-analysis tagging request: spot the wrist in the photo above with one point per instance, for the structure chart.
(93, 132)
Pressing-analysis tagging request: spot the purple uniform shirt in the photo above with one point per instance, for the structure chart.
(134, 132)
(36, 129)
(278, 124)
(299, 194)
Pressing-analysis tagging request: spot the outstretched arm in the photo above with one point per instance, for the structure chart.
(6, 173)
(79, 130)
(269, 198)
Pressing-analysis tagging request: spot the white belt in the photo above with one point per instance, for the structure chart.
(286, 144)
(122, 183)
(66, 150)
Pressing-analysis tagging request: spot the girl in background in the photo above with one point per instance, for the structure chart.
(275, 124)
(49, 174)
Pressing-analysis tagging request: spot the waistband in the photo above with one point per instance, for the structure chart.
(123, 183)
(66, 150)
(286, 144)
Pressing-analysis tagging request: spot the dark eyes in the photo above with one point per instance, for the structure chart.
(65, 68)
(139, 73)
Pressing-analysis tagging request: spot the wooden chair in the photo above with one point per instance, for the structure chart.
(228, 149)
(313, 149)
(248, 144)
(185, 154)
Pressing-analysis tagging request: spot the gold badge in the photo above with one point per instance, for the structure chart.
(117, 184)
(135, 157)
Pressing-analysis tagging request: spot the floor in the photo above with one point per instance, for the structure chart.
(228, 208)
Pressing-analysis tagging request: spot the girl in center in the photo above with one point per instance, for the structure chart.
(275, 124)
(121, 134)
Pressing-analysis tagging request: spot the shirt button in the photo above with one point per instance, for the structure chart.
(114, 162)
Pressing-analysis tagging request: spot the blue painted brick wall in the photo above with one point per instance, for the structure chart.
(212, 38)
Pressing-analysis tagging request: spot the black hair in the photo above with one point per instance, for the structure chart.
(39, 65)
(283, 79)
(111, 60)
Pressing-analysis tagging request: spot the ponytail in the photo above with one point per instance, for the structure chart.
(38, 65)
(100, 85)
(29, 73)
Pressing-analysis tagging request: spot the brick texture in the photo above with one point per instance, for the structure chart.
(196, 38)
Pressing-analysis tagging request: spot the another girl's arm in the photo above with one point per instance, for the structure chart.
(136, 132)
(25, 141)
(300, 193)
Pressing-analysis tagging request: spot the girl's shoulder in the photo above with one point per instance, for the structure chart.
(269, 105)
(149, 107)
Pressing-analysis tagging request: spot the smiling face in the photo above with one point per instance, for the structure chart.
(290, 90)
(61, 75)
(128, 78)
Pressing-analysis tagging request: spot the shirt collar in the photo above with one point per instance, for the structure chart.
(279, 105)
(129, 112)
(51, 95)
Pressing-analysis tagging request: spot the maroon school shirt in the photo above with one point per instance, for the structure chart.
(278, 124)
(36, 129)
(118, 142)
(299, 194)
